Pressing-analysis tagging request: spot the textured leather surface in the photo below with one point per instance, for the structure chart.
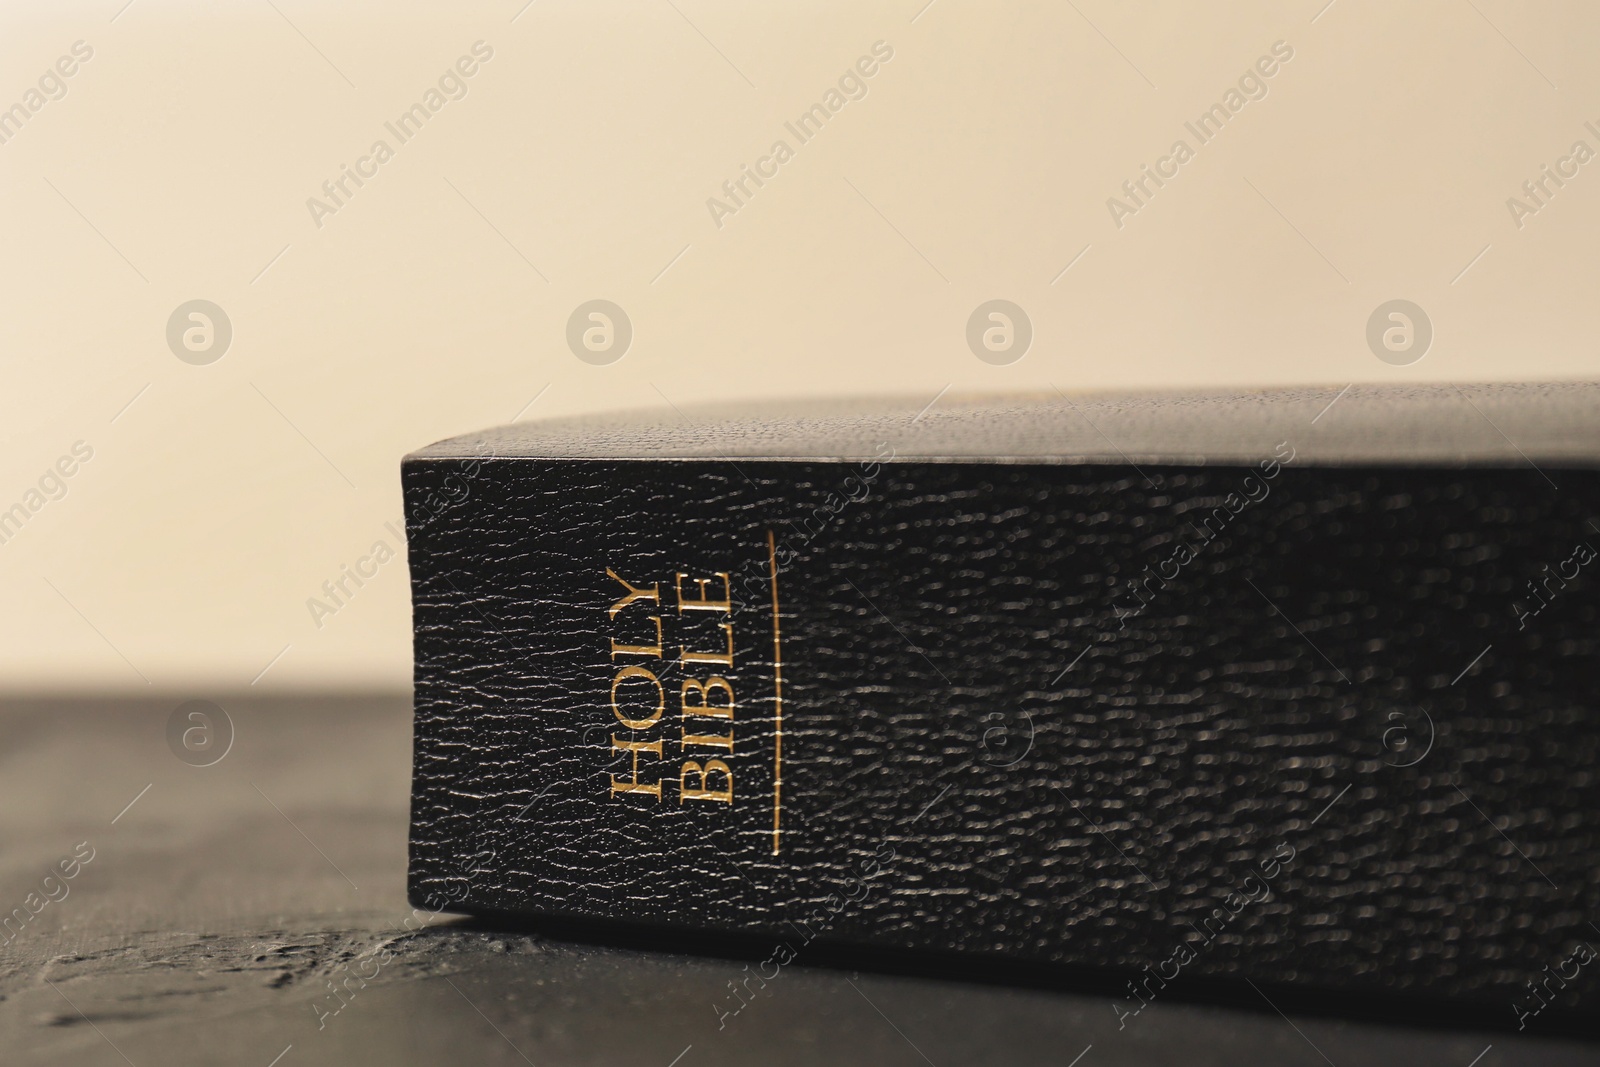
(988, 751)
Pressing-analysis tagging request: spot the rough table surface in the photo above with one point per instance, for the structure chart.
(220, 902)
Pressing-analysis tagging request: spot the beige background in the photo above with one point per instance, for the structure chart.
(578, 165)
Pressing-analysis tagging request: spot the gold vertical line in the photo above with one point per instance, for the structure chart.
(777, 694)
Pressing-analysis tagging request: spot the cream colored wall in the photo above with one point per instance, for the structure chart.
(578, 165)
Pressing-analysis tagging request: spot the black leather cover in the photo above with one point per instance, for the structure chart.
(1305, 724)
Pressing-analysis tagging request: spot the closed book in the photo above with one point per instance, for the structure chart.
(1293, 689)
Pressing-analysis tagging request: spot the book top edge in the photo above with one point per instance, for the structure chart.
(1503, 424)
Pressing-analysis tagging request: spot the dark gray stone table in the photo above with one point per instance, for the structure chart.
(222, 901)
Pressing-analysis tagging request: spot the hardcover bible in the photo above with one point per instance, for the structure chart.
(1291, 688)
